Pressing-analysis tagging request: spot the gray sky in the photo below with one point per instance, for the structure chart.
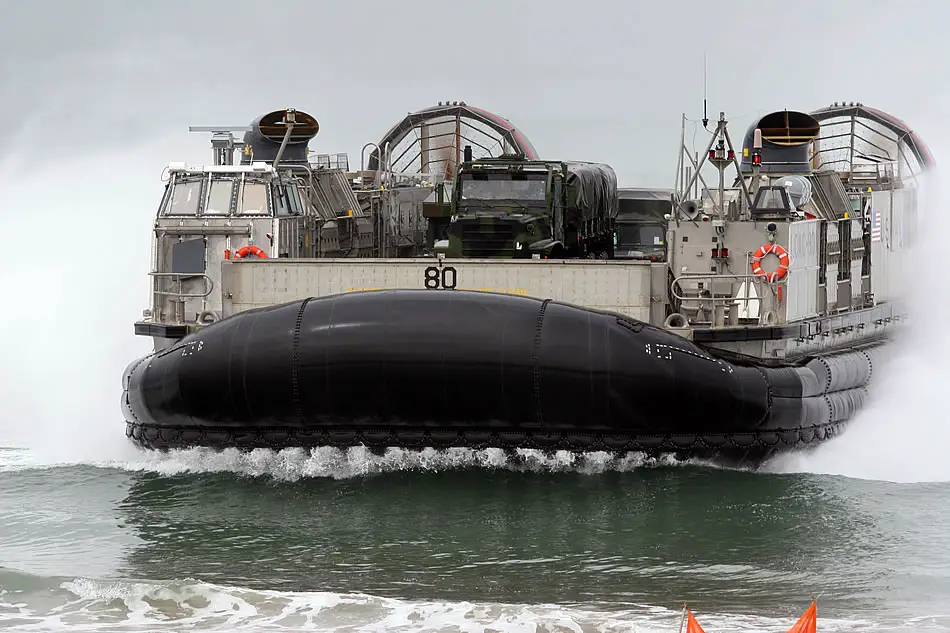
(592, 80)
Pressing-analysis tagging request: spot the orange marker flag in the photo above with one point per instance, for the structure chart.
(692, 626)
(808, 622)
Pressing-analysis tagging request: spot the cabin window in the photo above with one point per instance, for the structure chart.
(253, 199)
(771, 200)
(219, 200)
(633, 235)
(185, 198)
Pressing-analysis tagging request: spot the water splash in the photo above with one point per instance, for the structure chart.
(901, 435)
(294, 464)
(68, 336)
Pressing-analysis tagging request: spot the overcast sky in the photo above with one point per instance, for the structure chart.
(591, 80)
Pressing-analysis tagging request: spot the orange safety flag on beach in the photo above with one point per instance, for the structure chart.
(692, 626)
(808, 623)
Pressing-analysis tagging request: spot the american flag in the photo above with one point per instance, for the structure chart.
(876, 225)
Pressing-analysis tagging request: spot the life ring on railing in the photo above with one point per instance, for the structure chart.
(782, 269)
(252, 250)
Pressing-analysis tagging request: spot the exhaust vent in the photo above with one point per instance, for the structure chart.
(786, 136)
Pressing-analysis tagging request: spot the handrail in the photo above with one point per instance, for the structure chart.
(179, 296)
(179, 293)
(717, 277)
(721, 305)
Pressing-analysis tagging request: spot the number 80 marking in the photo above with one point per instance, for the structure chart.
(444, 278)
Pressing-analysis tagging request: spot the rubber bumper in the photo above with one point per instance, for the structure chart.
(431, 367)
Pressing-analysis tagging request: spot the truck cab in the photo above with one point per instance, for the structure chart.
(641, 225)
(503, 209)
(512, 208)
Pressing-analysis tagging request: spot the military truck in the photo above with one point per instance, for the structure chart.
(640, 227)
(508, 207)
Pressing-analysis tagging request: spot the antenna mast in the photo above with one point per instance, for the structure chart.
(705, 116)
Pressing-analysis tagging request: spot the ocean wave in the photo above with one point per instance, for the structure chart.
(34, 603)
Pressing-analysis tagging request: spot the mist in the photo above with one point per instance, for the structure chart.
(81, 248)
(901, 434)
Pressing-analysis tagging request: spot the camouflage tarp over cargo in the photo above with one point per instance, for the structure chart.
(596, 187)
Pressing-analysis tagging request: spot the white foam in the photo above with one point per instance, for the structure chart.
(294, 464)
(85, 604)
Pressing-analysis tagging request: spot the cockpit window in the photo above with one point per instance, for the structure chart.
(219, 200)
(252, 200)
(771, 200)
(185, 198)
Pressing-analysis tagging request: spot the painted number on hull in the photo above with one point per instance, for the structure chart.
(191, 348)
(437, 278)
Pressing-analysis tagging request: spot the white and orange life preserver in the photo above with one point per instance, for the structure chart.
(250, 250)
(783, 260)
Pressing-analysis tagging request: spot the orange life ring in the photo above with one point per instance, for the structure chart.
(252, 250)
(782, 269)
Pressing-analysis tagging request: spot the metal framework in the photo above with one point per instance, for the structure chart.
(430, 142)
(868, 146)
(721, 153)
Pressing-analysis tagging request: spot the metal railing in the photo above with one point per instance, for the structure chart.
(178, 297)
(723, 305)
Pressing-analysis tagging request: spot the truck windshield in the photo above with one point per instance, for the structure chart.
(503, 187)
(633, 235)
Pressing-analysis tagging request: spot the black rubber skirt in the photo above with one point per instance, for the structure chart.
(440, 368)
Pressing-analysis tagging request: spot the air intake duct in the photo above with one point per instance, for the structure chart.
(267, 133)
(786, 136)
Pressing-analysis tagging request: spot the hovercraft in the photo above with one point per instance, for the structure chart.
(523, 302)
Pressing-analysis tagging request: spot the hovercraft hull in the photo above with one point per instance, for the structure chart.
(420, 368)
